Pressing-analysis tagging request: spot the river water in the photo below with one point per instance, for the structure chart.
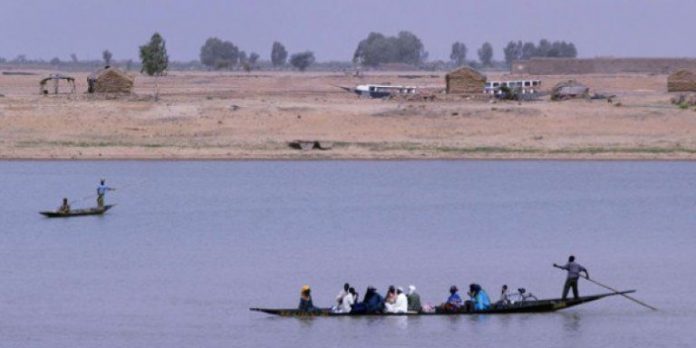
(192, 245)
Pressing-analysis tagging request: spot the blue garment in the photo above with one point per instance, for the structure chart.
(481, 301)
(306, 305)
(455, 300)
(375, 303)
(101, 189)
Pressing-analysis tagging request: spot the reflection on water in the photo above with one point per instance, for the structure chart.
(182, 257)
(571, 322)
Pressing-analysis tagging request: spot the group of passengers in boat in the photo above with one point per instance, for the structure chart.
(478, 300)
(398, 301)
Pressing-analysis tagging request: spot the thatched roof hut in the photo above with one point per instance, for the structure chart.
(465, 80)
(109, 80)
(570, 89)
(682, 81)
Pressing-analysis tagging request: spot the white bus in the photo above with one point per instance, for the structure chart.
(521, 86)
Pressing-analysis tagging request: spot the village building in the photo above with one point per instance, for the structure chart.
(109, 80)
(682, 81)
(465, 80)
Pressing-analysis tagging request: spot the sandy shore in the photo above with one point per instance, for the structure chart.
(254, 116)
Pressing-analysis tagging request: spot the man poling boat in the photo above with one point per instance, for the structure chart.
(574, 272)
(101, 192)
(574, 269)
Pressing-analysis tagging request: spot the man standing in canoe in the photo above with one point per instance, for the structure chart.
(101, 191)
(574, 269)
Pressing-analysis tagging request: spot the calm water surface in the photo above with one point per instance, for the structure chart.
(192, 245)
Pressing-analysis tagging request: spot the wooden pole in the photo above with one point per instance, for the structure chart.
(622, 294)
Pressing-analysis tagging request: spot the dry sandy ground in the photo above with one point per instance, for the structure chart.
(254, 116)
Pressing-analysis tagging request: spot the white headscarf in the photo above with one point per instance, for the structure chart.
(411, 289)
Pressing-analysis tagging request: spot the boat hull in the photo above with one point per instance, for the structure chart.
(77, 212)
(540, 306)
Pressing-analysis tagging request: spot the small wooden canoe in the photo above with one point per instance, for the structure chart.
(77, 212)
(539, 306)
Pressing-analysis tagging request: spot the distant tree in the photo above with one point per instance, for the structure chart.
(302, 60)
(556, 49)
(571, 51)
(20, 59)
(244, 61)
(543, 48)
(106, 56)
(378, 49)
(252, 61)
(129, 65)
(529, 50)
(485, 54)
(55, 61)
(521, 51)
(563, 49)
(218, 54)
(155, 59)
(254, 58)
(458, 55)
(513, 51)
(410, 49)
(73, 58)
(3, 60)
(279, 55)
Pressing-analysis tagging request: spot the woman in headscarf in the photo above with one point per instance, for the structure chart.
(306, 304)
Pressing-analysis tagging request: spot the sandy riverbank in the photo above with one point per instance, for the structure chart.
(254, 116)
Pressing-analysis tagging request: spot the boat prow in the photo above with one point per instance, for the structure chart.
(538, 306)
(78, 212)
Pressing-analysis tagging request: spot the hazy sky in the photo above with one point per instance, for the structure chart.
(332, 29)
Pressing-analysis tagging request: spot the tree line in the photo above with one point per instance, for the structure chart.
(375, 50)
(522, 51)
(218, 54)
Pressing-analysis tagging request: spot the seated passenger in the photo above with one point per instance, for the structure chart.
(374, 302)
(306, 304)
(414, 302)
(65, 207)
(400, 304)
(347, 302)
(454, 299)
(479, 300)
(339, 298)
(504, 296)
(454, 302)
(391, 296)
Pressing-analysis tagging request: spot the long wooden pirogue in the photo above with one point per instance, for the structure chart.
(537, 306)
(77, 212)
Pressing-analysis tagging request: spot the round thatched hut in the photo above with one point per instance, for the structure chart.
(465, 80)
(682, 81)
(110, 80)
